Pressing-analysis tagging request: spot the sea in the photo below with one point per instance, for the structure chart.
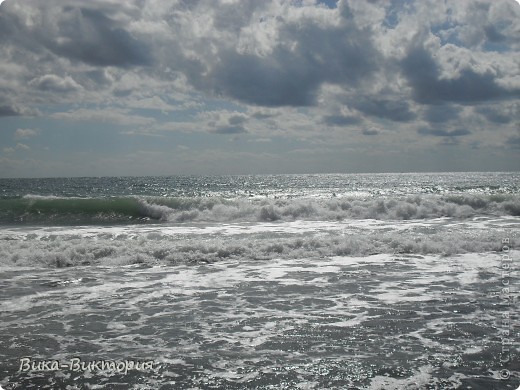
(319, 281)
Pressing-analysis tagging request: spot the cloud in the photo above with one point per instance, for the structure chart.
(495, 115)
(309, 48)
(116, 116)
(90, 36)
(395, 110)
(225, 122)
(229, 130)
(265, 82)
(25, 133)
(261, 140)
(423, 75)
(340, 120)
(441, 113)
(443, 133)
(21, 146)
(371, 131)
(269, 54)
(80, 33)
(513, 142)
(264, 114)
(449, 141)
(237, 120)
(493, 35)
(53, 83)
(9, 109)
(151, 103)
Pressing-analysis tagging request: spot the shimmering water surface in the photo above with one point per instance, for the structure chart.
(388, 281)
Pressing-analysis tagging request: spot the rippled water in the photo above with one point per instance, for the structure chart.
(373, 322)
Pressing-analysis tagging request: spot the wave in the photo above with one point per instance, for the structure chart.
(116, 249)
(34, 209)
(68, 211)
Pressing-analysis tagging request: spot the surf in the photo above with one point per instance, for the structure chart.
(52, 210)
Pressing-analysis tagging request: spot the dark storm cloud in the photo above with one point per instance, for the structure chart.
(95, 39)
(266, 81)
(79, 34)
(272, 54)
(422, 73)
(343, 54)
(443, 133)
(493, 35)
(340, 120)
(397, 111)
(291, 75)
(493, 115)
(9, 111)
(441, 113)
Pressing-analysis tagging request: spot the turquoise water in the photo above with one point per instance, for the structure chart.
(388, 281)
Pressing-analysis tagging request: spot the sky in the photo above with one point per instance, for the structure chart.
(152, 87)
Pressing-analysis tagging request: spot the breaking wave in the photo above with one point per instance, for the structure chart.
(107, 249)
(33, 209)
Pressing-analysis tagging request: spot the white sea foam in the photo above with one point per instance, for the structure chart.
(308, 318)
(173, 244)
(411, 207)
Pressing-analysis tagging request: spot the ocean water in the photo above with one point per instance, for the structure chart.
(340, 281)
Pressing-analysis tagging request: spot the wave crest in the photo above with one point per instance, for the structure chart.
(55, 210)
